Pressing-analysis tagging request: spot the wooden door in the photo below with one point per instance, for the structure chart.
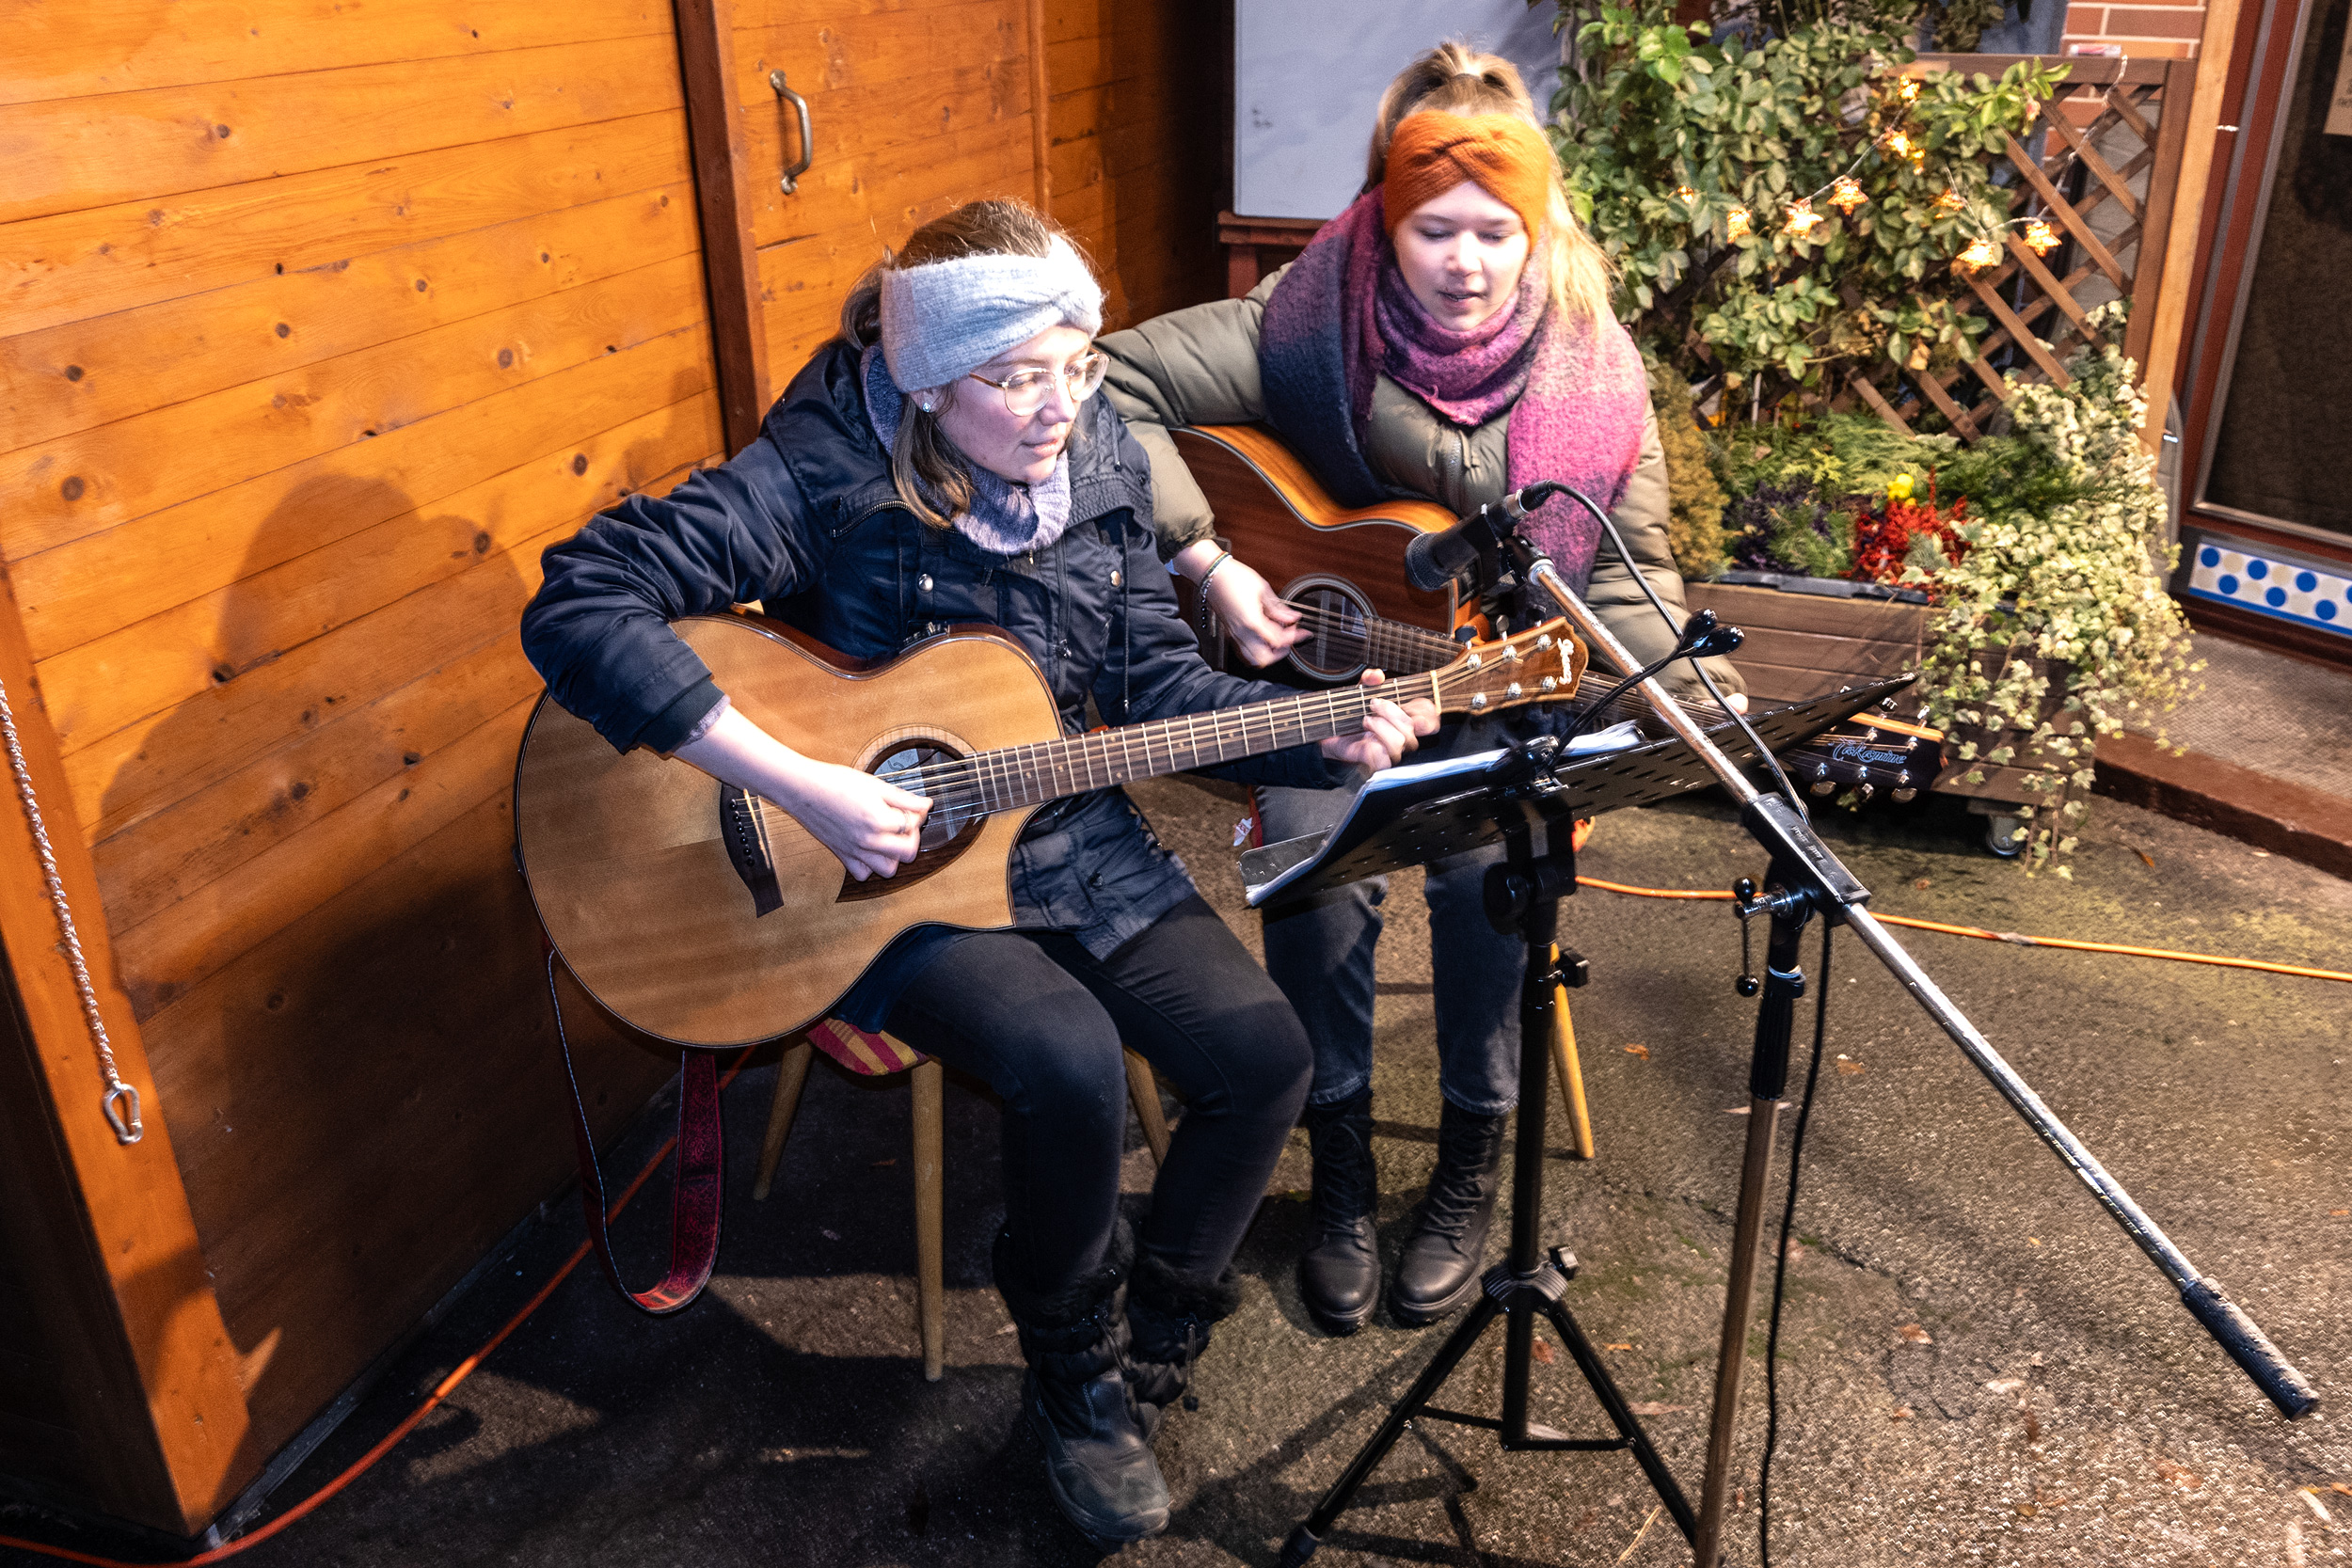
(317, 324)
(912, 108)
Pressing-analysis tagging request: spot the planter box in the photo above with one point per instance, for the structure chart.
(1813, 634)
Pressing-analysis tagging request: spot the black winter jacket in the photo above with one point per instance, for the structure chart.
(805, 522)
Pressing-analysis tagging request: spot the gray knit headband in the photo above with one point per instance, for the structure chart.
(944, 319)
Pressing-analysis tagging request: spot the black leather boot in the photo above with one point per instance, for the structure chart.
(1339, 1273)
(1098, 1459)
(1439, 1271)
(1169, 1318)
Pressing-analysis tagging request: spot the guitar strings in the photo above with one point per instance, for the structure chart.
(968, 788)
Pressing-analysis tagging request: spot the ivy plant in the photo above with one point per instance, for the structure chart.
(1709, 172)
(2073, 577)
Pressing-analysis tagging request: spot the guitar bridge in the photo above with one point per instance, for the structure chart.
(748, 849)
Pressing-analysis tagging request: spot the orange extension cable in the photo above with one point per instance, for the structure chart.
(447, 1387)
(466, 1368)
(1979, 932)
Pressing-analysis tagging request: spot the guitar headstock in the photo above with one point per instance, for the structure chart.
(1540, 664)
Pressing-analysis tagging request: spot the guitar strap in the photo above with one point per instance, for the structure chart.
(695, 1177)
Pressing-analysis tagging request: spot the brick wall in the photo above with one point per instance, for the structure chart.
(2143, 29)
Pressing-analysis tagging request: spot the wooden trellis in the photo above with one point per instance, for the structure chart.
(2102, 106)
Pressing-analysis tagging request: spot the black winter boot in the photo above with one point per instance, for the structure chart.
(1339, 1273)
(1098, 1460)
(1169, 1318)
(1439, 1271)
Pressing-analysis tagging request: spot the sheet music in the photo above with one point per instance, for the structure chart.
(1293, 856)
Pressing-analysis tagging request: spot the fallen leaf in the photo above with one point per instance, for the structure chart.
(2006, 1385)
(2144, 855)
(2339, 1486)
(1923, 884)
(880, 1164)
(1009, 1328)
(2337, 1213)
(1543, 1353)
(1640, 1050)
(1900, 1412)
(2179, 1475)
(2025, 1511)
(1616, 1347)
(1298, 1195)
(1651, 1408)
(1853, 1069)
(2311, 1501)
(2033, 1241)
(1914, 1335)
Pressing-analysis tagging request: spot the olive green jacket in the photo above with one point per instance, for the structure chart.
(1200, 366)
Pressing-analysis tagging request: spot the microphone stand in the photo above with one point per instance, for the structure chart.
(1806, 878)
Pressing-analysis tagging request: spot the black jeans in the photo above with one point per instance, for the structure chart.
(1044, 1022)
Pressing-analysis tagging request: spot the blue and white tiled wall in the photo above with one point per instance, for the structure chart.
(2226, 571)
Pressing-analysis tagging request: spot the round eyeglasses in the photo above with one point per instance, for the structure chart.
(1026, 391)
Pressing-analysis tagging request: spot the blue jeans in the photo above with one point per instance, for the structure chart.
(1320, 952)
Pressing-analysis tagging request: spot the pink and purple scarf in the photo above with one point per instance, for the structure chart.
(1342, 316)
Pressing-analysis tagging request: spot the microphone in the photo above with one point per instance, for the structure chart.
(1433, 560)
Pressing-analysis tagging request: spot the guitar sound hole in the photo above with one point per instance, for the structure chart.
(956, 816)
(1335, 646)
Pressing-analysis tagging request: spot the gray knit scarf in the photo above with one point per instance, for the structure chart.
(1004, 518)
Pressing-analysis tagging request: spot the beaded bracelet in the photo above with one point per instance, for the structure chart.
(1200, 594)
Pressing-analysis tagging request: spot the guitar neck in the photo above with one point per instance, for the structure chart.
(1017, 777)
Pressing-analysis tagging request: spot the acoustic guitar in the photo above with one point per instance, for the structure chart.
(1343, 569)
(708, 916)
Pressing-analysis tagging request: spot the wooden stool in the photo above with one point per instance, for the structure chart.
(877, 1055)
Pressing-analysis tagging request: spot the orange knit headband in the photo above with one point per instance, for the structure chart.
(1432, 152)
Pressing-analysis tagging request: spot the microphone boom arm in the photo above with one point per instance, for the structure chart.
(1793, 844)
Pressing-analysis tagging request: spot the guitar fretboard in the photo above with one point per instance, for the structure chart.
(1016, 777)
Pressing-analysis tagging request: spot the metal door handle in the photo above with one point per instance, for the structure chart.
(808, 145)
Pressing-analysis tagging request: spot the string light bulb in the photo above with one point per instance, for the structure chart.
(1898, 142)
(1685, 195)
(1846, 194)
(1910, 89)
(1802, 220)
(1736, 224)
(1979, 255)
(2040, 237)
(1950, 201)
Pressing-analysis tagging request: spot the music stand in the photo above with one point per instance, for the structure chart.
(1442, 812)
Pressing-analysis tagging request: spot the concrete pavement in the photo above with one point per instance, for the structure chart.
(1976, 1369)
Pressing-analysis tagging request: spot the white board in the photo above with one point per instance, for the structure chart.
(1308, 77)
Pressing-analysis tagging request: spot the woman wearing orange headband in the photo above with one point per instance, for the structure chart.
(1448, 336)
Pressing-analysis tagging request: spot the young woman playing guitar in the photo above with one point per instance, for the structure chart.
(1448, 336)
(943, 462)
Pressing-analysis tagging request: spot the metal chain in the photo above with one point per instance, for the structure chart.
(122, 1101)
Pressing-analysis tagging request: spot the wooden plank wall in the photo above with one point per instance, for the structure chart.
(1136, 161)
(321, 323)
(915, 107)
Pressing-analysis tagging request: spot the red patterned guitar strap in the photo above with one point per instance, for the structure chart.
(695, 1177)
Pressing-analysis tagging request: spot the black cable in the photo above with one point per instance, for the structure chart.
(1780, 1268)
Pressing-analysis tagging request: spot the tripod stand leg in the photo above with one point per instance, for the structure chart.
(1307, 1537)
(1571, 1072)
(1621, 1415)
